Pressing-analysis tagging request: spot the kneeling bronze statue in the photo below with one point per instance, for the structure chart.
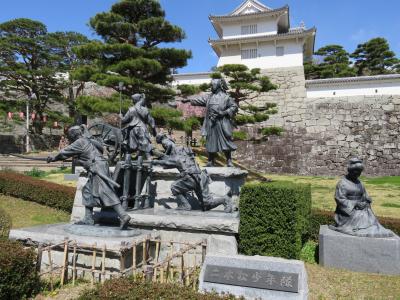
(353, 214)
(99, 191)
(191, 178)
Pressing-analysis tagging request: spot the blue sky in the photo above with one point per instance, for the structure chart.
(344, 22)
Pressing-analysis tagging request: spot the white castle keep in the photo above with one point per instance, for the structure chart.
(261, 37)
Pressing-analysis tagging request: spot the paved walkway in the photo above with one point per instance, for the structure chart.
(20, 164)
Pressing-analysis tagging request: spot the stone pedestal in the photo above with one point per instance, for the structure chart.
(114, 241)
(223, 180)
(359, 254)
(254, 277)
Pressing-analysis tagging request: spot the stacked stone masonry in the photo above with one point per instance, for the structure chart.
(322, 133)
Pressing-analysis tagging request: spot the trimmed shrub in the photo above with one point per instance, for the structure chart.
(321, 217)
(35, 190)
(126, 288)
(5, 224)
(18, 276)
(274, 219)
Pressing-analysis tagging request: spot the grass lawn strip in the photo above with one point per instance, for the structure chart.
(385, 192)
(27, 214)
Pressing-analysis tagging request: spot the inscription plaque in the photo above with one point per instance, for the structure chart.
(261, 279)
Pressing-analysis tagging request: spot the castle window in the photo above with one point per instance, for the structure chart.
(249, 53)
(280, 51)
(249, 29)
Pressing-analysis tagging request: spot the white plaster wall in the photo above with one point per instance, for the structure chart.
(234, 30)
(195, 78)
(375, 87)
(267, 55)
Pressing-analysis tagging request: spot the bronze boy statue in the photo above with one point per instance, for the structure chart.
(99, 189)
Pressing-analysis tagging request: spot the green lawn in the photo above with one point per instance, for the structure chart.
(26, 214)
(328, 284)
(385, 192)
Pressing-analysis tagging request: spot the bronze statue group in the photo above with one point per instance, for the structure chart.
(105, 190)
(353, 214)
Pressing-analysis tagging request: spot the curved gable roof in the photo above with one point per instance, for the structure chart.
(254, 5)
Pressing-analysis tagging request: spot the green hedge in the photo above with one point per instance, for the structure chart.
(321, 217)
(126, 288)
(274, 219)
(5, 224)
(35, 190)
(18, 276)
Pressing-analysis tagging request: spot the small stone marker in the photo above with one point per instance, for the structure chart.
(254, 277)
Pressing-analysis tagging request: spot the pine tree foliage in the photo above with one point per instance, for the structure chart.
(132, 33)
(375, 57)
(335, 63)
(30, 62)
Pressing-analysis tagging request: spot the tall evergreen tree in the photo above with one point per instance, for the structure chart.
(336, 62)
(132, 32)
(63, 44)
(29, 64)
(374, 58)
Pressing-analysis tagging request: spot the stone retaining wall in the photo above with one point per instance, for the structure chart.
(16, 144)
(322, 133)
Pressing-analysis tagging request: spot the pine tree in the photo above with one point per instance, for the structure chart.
(336, 62)
(63, 44)
(129, 52)
(29, 63)
(374, 58)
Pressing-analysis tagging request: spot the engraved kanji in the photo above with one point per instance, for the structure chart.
(270, 279)
(242, 276)
(286, 281)
(228, 275)
(256, 277)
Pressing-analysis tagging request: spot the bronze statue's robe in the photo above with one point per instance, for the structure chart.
(350, 219)
(97, 192)
(216, 129)
(137, 136)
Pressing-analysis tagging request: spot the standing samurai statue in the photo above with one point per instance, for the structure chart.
(218, 123)
(99, 189)
(136, 140)
(136, 120)
(191, 178)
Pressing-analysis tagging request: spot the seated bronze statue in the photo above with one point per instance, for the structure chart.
(353, 213)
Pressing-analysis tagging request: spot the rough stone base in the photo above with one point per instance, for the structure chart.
(57, 234)
(264, 265)
(360, 254)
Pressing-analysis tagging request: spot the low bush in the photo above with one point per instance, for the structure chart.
(274, 219)
(240, 136)
(321, 217)
(35, 190)
(35, 172)
(18, 276)
(126, 288)
(273, 130)
(5, 224)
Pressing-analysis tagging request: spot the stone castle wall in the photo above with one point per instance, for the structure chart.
(321, 134)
